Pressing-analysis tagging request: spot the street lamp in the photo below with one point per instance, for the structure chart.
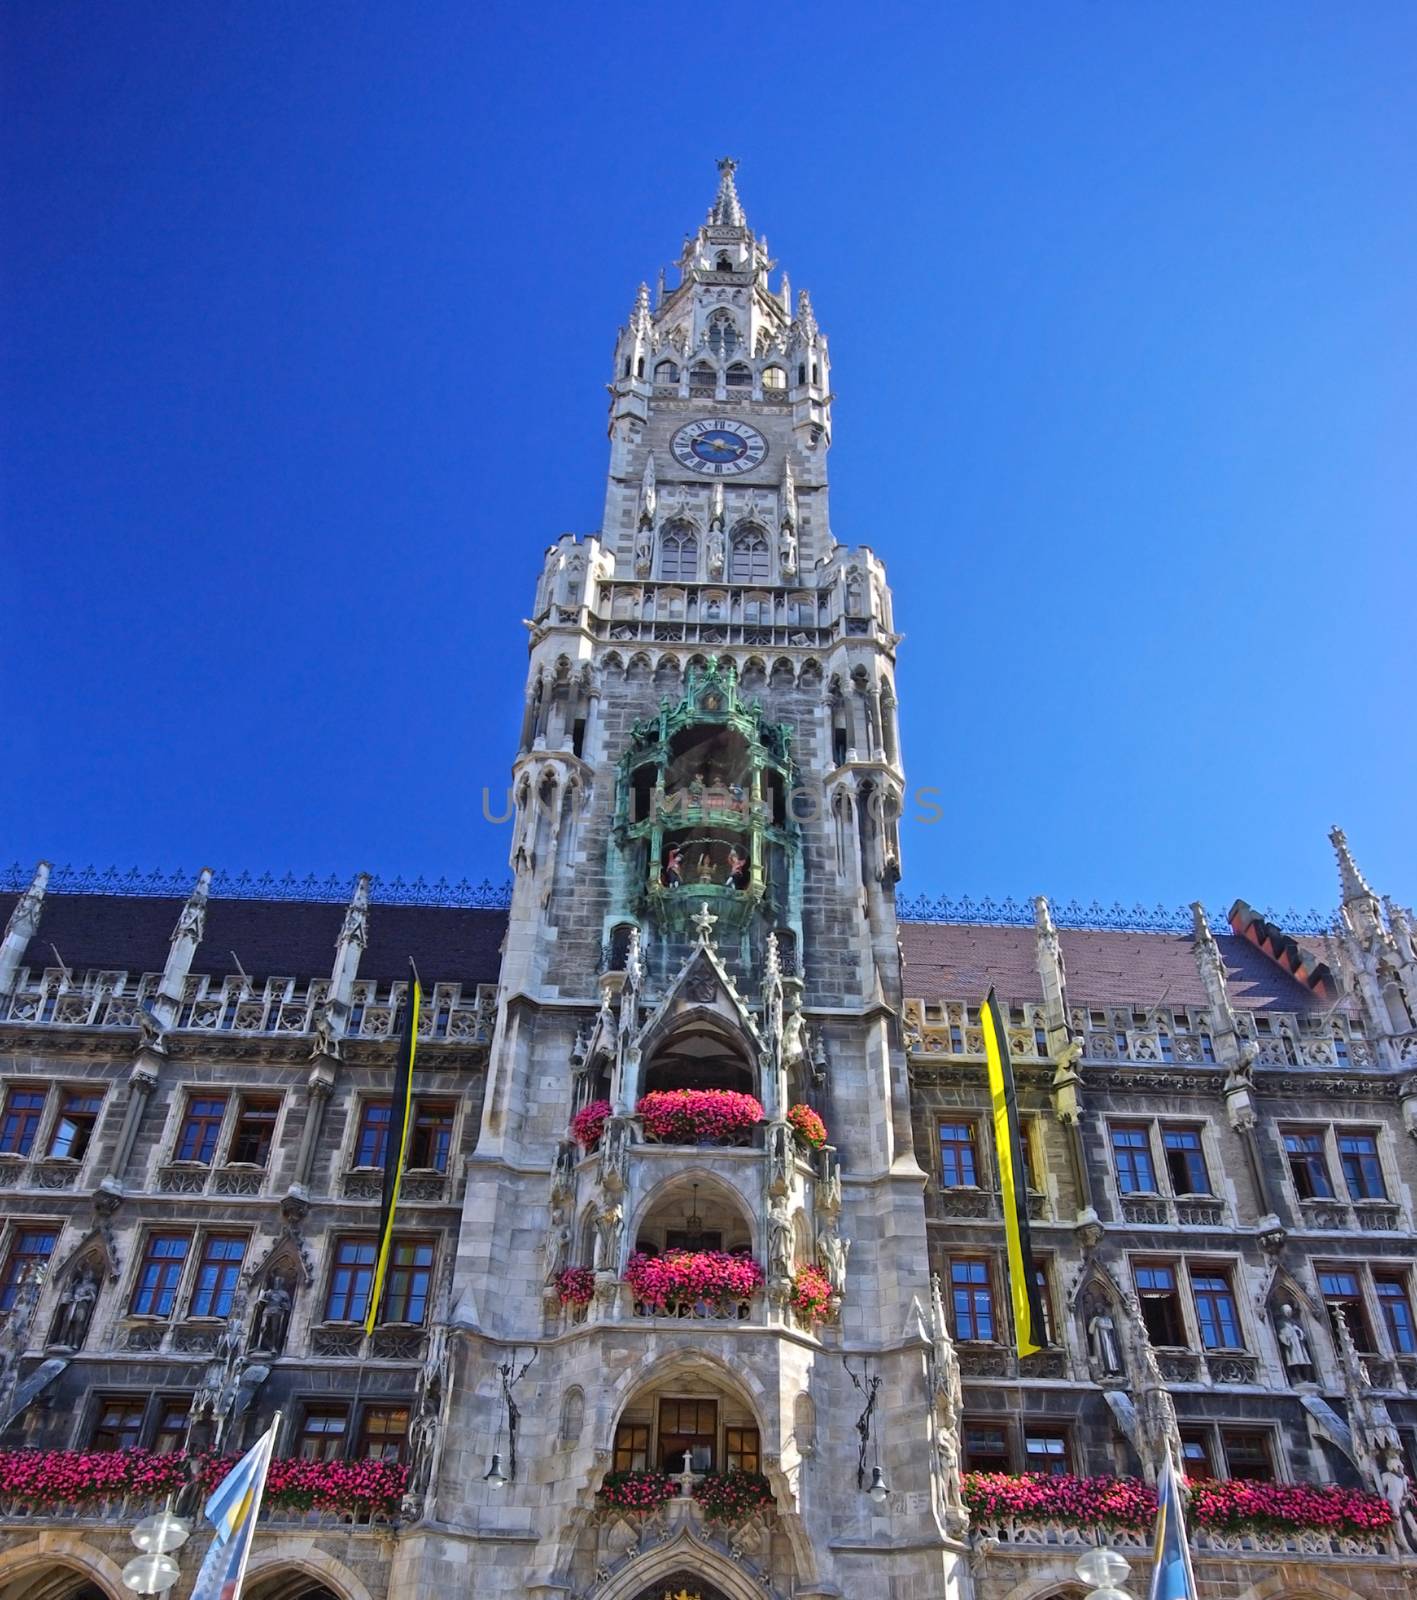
(878, 1488)
(1104, 1570)
(154, 1571)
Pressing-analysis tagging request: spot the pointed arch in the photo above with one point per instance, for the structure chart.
(712, 1188)
(750, 555)
(679, 551)
(294, 1567)
(59, 1566)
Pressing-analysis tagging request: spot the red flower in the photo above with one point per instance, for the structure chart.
(807, 1125)
(575, 1286)
(589, 1123)
(637, 1491)
(811, 1294)
(732, 1496)
(684, 1279)
(698, 1116)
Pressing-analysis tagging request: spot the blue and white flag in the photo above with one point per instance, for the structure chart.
(1171, 1577)
(232, 1511)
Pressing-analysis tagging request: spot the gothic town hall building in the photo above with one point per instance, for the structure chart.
(699, 1282)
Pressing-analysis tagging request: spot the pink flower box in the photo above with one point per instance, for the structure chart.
(698, 1116)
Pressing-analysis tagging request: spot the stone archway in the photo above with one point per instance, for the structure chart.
(682, 1585)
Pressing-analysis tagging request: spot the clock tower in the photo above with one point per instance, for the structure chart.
(694, 1204)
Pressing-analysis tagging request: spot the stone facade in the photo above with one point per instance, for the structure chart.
(704, 861)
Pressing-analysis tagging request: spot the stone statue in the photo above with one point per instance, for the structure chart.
(787, 551)
(717, 551)
(781, 1243)
(273, 1307)
(1293, 1342)
(1396, 1488)
(779, 1157)
(427, 1420)
(644, 552)
(76, 1308)
(615, 1154)
(853, 592)
(609, 1226)
(832, 1251)
(794, 1043)
(558, 1243)
(1103, 1346)
(563, 1172)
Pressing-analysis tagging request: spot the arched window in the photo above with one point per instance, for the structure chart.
(801, 372)
(627, 367)
(774, 378)
(666, 372)
(703, 378)
(640, 367)
(723, 337)
(816, 374)
(679, 553)
(739, 377)
(724, 262)
(750, 561)
(757, 610)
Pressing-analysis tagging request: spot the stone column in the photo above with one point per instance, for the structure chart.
(21, 928)
(142, 1080)
(186, 936)
(319, 1086)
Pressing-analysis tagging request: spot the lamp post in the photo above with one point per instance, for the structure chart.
(1103, 1570)
(154, 1571)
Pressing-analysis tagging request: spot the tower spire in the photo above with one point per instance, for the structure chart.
(1352, 883)
(727, 209)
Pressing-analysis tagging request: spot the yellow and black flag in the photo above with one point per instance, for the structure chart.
(1013, 1186)
(400, 1116)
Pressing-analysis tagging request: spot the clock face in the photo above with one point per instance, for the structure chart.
(719, 447)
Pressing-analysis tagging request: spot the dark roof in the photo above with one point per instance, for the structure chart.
(1104, 967)
(285, 938)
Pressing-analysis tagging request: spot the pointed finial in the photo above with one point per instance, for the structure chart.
(786, 293)
(24, 919)
(1200, 924)
(703, 919)
(789, 493)
(192, 920)
(1043, 915)
(1352, 883)
(806, 317)
(772, 963)
(640, 317)
(727, 210)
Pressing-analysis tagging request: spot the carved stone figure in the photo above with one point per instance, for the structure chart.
(1102, 1344)
(1157, 1434)
(558, 1242)
(1396, 1488)
(644, 552)
(787, 551)
(854, 592)
(273, 1307)
(76, 1309)
(1293, 1342)
(609, 1226)
(832, 1251)
(794, 1039)
(563, 1173)
(615, 1154)
(781, 1244)
(717, 551)
(427, 1420)
(779, 1157)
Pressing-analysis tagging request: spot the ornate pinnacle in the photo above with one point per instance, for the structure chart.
(24, 919)
(1352, 883)
(727, 211)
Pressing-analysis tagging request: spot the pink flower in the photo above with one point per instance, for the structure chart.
(575, 1286)
(698, 1116)
(684, 1279)
(589, 1123)
(811, 1294)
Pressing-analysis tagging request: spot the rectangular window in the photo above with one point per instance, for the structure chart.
(20, 1120)
(255, 1130)
(410, 1275)
(1342, 1291)
(200, 1127)
(373, 1138)
(78, 1117)
(973, 1294)
(957, 1165)
(1362, 1171)
(351, 1279)
(631, 1447)
(741, 1450)
(1195, 1452)
(1247, 1454)
(1308, 1164)
(170, 1431)
(1216, 1311)
(30, 1250)
(431, 1136)
(1027, 1133)
(217, 1272)
(683, 1239)
(1131, 1150)
(1045, 1300)
(322, 1431)
(1046, 1450)
(1397, 1312)
(118, 1422)
(383, 1433)
(1185, 1161)
(1161, 1305)
(986, 1447)
(690, 1425)
(159, 1274)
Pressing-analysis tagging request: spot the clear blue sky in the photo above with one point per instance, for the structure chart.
(308, 312)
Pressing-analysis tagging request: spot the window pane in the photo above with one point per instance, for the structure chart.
(1216, 1311)
(986, 1448)
(957, 1169)
(217, 1273)
(322, 1431)
(1308, 1164)
(1246, 1454)
(749, 560)
(383, 1433)
(631, 1447)
(373, 1139)
(1046, 1450)
(431, 1136)
(1397, 1313)
(23, 1108)
(1195, 1451)
(200, 1127)
(973, 1299)
(29, 1251)
(350, 1281)
(410, 1273)
(170, 1433)
(160, 1274)
(1362, 1171)
(740, 1448)
(1131, 1150)
(255, 1129)
(78, 1114)
(118, 1423)
(1185, 1161)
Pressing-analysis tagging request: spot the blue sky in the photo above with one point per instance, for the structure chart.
(308, 312)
